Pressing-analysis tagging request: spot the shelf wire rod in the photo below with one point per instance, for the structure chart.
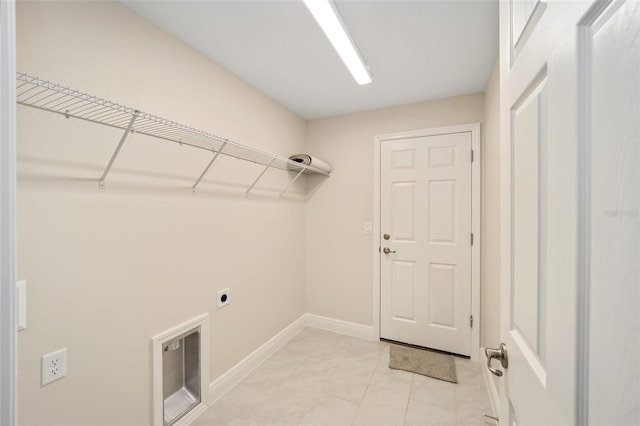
(168, 131)
(90, 109)
(70, 116)
(110, 115)
(73, 99)
(147, 126)
(115, 153)
(157, 127)
(118, 123)
(246, 194)
(90, 115)
(192, 144)
(39, 101)
(20, 94)
(292, 181)
(35, 94)
(182, 137)
(81, 105)
(109, 118)
(177, 138)
(62, 104)
(90, 102)
(215, 156)
(101, 112)
(62, 96)
(121, 121)
(171, 129)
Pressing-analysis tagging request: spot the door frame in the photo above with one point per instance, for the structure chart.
(474, 128)
(8, 330)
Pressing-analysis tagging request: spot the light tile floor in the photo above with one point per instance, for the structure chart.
(322, 378)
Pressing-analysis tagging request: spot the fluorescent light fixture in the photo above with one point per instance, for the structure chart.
(328, 19)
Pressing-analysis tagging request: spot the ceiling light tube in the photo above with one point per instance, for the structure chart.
(329, 20)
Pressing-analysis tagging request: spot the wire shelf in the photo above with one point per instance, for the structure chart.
(41, 94)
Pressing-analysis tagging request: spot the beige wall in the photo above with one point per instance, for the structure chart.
(339, 256)
(106, 270)
(490, 266)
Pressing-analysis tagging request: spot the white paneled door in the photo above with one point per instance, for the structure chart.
(425, 224)
(570, 87)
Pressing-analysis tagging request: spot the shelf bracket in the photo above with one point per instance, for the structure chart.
(246, 194)
(292, 181)
(115, 153)
(215, 156)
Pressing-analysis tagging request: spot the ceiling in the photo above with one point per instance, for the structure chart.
(416, 50)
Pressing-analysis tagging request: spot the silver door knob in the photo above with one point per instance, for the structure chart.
(499, 354)
(387, 250)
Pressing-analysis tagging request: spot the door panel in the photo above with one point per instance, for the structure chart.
(442, 211)
(570, 137)
(528, 122)
(404, 283)
(405, 159)
(539, 280)
(426, 209)
(525, 16)
(614, 44)
(442, 295)
(404, 211)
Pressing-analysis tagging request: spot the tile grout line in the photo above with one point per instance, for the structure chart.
(373, 372)
(406, 409)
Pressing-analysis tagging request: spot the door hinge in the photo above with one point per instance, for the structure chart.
(472, 156)
(471, 321)
(472, 238)
(379, 249)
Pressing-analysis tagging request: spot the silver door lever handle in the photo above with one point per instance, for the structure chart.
(387, 250)
(499, 354)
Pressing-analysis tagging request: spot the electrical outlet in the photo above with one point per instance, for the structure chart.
(54, 366)
(224, 297)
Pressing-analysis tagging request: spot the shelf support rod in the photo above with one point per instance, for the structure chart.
(246, 194)
(215, 156)
(115, 153)
(291, 183)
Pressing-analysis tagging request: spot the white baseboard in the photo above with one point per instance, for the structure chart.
(341, 327)
(235, 374)
(494, 396)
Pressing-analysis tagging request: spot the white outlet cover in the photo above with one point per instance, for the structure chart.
(221, 294)
(54, 366)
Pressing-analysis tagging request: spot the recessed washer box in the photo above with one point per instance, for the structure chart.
(180, 373)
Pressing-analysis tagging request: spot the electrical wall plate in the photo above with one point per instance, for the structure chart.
(54, 366)
(224, 297)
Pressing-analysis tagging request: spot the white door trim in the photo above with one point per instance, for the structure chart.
(7, 213)
(474, 128)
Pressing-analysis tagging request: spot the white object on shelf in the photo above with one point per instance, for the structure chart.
(41, 94)
(309, 160)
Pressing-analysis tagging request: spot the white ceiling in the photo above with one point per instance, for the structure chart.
(417, 50)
